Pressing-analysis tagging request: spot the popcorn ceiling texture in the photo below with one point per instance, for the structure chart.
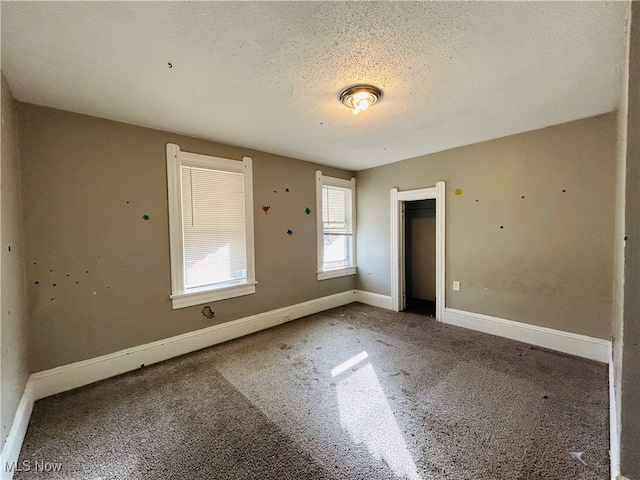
(268, 75)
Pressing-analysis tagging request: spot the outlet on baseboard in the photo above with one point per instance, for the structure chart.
(456, 286)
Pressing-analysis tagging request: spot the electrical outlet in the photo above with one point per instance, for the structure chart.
(456, 286)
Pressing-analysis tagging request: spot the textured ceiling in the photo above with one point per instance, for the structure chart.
(268, 75)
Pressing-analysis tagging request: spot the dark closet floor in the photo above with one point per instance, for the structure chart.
(421, 307)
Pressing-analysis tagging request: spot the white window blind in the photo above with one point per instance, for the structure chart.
(213, 217)
(210, 227)
(334, 205)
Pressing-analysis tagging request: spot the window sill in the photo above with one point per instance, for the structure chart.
(338, 272)
(182, 300)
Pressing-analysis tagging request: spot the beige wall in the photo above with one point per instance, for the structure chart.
(630, 433)
(87, 182)
(551, 264)
(13, 306)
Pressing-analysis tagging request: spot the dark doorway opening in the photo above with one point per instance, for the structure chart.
(420, 257)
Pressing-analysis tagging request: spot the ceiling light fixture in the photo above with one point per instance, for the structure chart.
(360, 97)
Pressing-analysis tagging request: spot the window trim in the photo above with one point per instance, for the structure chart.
(322, 180)
(181, 298)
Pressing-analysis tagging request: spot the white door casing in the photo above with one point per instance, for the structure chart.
(398, 300)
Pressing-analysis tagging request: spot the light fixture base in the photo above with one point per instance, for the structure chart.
(360, 97)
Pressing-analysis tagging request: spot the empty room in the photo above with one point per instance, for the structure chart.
(320, 240)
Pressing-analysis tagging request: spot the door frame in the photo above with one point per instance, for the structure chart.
(398, 295)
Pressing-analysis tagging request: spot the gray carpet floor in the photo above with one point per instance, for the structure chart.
(355, 392)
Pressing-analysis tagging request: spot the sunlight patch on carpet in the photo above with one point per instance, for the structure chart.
(366, 415)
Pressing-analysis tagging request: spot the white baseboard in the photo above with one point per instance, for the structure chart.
(614, 438)
(68, 377)
(374, 299)
(13, 444)
(572, 343)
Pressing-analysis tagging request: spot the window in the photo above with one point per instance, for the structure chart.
(336, 216)
(210, 227)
